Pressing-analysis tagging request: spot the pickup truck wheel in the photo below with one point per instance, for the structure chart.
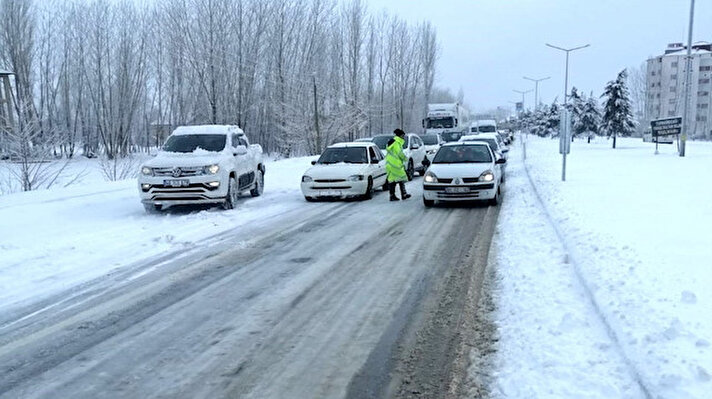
(259, 184)
(152, 209)
(411, 170)
(232, 194)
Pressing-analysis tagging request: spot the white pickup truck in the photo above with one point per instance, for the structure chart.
(207, 164)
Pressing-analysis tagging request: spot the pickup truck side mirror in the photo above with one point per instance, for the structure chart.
(501, 160)
(239, 150)
(313, 162)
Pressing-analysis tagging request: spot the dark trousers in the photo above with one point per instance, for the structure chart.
(392, 188)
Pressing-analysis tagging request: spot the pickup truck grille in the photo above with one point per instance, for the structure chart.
(179, 171)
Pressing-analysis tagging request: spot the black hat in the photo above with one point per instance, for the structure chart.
(399, 132)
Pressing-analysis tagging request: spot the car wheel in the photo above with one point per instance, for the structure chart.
(152, 209)
(428, 203)
(410, 171)
(232, 194)
(259, 184)
(369, 189)
(497, 198)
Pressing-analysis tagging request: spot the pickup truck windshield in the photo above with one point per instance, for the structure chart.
(440, 123)
(463, 154)
(344, 154)
(191, 142)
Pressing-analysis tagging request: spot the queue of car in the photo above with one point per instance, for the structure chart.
(215, 164)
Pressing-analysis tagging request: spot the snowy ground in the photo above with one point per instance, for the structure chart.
(55, 239)
(616, 303)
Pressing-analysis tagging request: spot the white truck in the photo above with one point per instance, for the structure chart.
(446, 118)
(206, 164)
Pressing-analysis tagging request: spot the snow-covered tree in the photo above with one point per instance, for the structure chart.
(575, 106)
(617, 110)
(589, 121)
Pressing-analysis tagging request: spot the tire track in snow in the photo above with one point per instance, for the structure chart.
(571, 258)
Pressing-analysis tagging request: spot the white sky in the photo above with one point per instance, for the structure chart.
(488, 45)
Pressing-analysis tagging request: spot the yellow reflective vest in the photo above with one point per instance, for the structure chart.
(395, 159)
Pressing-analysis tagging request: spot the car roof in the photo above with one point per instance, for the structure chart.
(489, 135)
(353, 144)
(457, 143)
(208, 129)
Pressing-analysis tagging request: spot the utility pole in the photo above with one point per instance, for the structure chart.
(566, 96)
(536, 90)
(688, 72)
(522, 93)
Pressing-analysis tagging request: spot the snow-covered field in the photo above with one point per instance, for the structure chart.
(55, 239)
(617, 303)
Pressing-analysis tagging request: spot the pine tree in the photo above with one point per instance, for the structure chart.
(617, 110)
(590, 120)
(575, 106)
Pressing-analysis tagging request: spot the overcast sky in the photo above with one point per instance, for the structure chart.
(488, 45)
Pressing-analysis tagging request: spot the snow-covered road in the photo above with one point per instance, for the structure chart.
(282, 298)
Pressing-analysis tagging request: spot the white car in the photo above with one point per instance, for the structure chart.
(432, 143)
(414, 150)
(345, 170)
(463, 171)
(207, 164)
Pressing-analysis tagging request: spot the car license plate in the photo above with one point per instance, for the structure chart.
(176, 183)
(330, 193)
(458, 190)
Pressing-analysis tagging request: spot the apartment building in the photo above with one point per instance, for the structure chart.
(665, 82)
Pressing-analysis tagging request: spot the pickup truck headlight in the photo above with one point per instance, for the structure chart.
(146, 171)
(487, 176)
(307, 179)
(212, 169)
(430, 177)
(355, 177)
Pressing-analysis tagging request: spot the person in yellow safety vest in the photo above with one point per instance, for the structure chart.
(395, 159)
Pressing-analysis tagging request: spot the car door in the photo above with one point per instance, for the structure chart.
(377, 166)
(417, 151)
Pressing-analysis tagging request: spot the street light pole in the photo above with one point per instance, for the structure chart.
(566, 96)
(688, 72)
(522, 93)
(536, 90)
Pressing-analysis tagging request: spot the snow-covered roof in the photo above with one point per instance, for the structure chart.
(484, 122)
(352, 144)
(684, 52)
(209, 129)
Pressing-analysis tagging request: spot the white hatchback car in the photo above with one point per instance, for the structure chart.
(464, 171)
(345, 170)
(414, 150)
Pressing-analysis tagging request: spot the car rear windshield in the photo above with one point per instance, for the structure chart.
(381, 141)
(486, 129)
(492, 143)
(344, 154)
(463, 154)
(451, 136)
(191, 142)
(429, 139)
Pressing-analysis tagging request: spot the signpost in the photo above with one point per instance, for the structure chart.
(665, 128)
(564, 138)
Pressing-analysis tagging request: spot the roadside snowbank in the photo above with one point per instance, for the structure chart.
(54, 239)
(635, 225)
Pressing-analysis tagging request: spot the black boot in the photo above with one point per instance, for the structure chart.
(405, 196)
(394, 198)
